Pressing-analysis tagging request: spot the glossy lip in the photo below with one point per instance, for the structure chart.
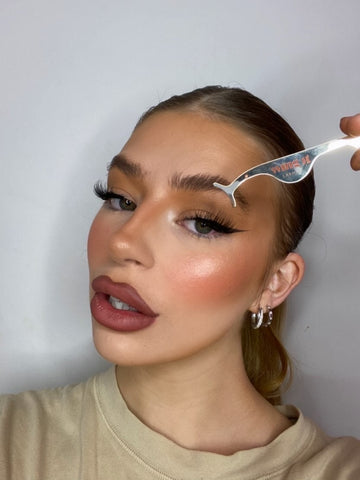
(119, 320)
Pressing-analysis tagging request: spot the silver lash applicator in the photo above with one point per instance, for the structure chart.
(289, 169)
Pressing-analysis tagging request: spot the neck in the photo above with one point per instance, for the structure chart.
(202, 403)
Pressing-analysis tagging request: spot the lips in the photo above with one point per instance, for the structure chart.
(121, 320)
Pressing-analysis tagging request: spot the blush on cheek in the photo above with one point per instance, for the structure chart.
(211, 279)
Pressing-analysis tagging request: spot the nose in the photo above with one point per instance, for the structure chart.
(131, 242)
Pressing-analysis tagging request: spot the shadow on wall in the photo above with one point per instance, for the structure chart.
(328, 400)
(322, 331)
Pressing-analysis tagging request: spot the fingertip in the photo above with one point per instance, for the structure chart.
(343, 123)
(355, 161)
(351, 124)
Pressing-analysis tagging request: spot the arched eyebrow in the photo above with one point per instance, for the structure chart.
(194, 183)
(127, 166)
(201, 182)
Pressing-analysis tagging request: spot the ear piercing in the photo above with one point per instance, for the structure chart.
(258, 318)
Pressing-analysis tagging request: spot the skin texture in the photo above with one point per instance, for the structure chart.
(351, 126)
(184, 375)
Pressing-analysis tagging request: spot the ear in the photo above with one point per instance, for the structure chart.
(286, 275)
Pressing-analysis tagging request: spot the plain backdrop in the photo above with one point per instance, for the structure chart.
(75, 76)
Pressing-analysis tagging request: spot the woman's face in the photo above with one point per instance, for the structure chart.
(185, 258)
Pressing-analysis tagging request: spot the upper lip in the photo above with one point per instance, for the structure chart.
(122, 291)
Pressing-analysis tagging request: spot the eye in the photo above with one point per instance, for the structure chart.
(119, 202)
(114, 200)
(204, 227)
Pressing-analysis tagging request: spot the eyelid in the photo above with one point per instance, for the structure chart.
(101, 190)
(215, 219)
(106, 194)
(214, 216)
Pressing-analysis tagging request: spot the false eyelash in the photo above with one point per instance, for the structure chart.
(216, 220)
(102, 192)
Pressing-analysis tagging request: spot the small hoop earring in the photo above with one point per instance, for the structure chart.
(270, 316)
(257, 319)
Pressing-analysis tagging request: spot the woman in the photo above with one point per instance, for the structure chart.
(179, 278)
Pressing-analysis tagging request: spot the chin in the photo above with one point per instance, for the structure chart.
(124, 348)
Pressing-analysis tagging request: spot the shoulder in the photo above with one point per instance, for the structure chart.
(42, 401)
(337, 458)
(47, 430)
(321, 456)
(26, 412)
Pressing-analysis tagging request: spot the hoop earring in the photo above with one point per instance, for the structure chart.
(270, 316)
(257, 319)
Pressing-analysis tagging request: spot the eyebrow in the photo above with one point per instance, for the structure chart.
(193, 183)
(128, 167)
(201, 182)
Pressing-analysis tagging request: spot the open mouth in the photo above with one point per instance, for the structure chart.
(119, 305)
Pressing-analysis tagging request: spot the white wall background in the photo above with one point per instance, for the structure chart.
(76, 74)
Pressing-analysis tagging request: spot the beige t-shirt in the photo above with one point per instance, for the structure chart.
(86, 432)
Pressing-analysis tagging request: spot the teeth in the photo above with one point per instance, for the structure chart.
(119, 305)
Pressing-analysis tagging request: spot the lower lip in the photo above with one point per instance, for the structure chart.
(119, 320)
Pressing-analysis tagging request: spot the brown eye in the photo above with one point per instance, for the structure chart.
(122, 203)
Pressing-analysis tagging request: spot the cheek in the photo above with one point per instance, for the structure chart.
(218, 278)
(96, 241)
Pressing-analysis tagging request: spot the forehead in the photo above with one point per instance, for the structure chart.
(188, 152)
(193, 143)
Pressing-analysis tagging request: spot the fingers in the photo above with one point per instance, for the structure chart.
(351, 126)
(355, 160)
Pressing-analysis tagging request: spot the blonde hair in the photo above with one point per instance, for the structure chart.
(266, 360)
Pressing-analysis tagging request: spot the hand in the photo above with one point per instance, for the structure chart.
(351, 126)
